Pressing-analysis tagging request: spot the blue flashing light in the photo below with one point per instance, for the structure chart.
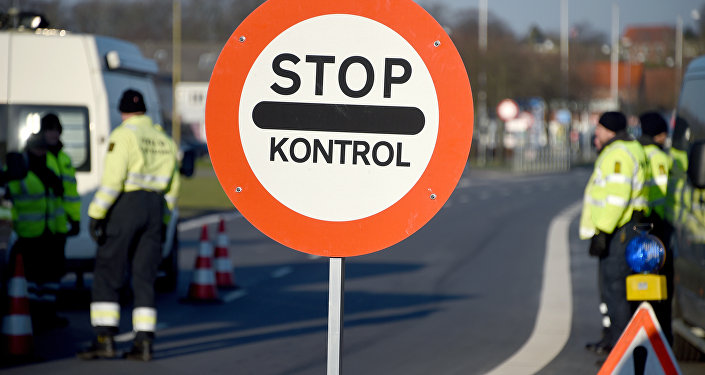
(645, 253)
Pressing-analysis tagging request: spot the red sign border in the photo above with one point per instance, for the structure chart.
(644, 318)
(373, 233)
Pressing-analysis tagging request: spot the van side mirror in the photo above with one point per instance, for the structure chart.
(188, 163)
(16, 166)
(696, 164)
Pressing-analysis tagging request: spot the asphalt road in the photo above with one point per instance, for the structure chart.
(461, 296)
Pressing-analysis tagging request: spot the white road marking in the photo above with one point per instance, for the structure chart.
(282, 271)
(129, 336)
(207, 220)
(236, 294)
(552, 327)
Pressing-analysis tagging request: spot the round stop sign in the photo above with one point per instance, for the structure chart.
(339, 128)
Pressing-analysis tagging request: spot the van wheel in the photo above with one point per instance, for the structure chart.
(170, 266)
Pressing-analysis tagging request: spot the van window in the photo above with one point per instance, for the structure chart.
(23, 120)
(691, 110)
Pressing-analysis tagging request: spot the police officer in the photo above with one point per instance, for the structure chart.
(614, 201)
(141, 175)
(654, 132)
(60, 162)
(67, 224)
(36, 211)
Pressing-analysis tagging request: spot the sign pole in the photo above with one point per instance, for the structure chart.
(335, 315)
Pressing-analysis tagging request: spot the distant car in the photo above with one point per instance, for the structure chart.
(686, 212)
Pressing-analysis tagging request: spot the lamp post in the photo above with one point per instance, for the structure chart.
(176, 70)
(482, 93)
(564, 47)
(614, 76)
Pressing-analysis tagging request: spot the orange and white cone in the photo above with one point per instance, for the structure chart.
(17, 324)
(224, 274)
(202, 287)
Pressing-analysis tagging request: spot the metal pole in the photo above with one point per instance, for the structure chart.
(614, 77)
(176, 71)
(482, 92)
(564, 46)
(335, 315)
(482, 32)
(679, 54)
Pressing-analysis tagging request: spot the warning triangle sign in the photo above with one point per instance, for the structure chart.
(642, 349)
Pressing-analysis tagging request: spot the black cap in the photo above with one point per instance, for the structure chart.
(36, 141)
(132, 102)
(614, 121)
(653, 124)
(50, 121)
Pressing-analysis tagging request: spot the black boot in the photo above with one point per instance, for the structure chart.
(101, 347)
(141, 350)
(600, 347)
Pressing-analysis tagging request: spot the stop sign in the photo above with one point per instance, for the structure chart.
(339, 128)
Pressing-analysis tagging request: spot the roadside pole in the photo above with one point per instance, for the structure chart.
(336, 288)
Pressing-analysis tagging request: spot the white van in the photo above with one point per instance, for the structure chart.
(80, 78)
(686, 212)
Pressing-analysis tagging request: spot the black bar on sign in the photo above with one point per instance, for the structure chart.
(347, 118)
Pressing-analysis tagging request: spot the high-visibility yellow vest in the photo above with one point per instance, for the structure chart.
(676, 184)
(140, 157)
(615, 190)
(33, 207)
(61, 163)
(658, 165)
(684, 208)
(61, 224)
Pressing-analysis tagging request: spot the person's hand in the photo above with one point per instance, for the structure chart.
(75, 228)
(599, 245)
(97, 228)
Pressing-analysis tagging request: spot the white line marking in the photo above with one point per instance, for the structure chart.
(124, 337)
(282, 271)
(232, 296)
(552, 327)
(207, 220)
(129, 336)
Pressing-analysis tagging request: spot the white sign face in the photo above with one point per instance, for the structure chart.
(338, 117)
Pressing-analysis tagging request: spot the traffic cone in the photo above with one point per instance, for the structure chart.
(17, 324)
(202, 287)
(224, 274)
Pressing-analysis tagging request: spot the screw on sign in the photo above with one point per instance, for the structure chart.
(339, 128)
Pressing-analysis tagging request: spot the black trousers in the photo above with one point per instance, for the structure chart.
(612, 273)
(133, 244)
(43, 259)
(663, 230)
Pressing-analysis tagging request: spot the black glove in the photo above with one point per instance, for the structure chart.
(75, 228)
(98, 231)
(599, 245)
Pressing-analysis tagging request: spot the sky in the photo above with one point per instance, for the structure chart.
(520, 15)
